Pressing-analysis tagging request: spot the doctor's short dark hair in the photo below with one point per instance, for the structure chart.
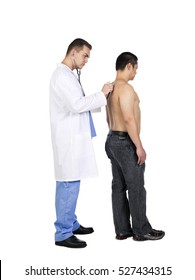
(124, 58)
(78, 44)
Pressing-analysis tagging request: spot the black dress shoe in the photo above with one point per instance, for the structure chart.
(72, 242)
(83, 230)
(153, 235)
(121, 236)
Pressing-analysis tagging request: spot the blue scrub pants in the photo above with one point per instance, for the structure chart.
(65, 202)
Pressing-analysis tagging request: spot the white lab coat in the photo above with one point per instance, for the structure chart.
(74, 157)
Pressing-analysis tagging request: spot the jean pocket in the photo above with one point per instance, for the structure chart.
(122, 137)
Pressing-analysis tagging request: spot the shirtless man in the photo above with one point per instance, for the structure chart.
(127, 155)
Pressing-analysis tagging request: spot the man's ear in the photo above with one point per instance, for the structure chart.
(129, 66)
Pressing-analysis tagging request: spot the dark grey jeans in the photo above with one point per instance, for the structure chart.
(128, 192)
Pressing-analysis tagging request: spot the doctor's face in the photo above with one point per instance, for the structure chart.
(82, 56)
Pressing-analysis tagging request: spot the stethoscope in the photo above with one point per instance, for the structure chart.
(78, 74)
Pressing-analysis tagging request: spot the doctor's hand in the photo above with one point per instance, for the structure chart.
(107, 88)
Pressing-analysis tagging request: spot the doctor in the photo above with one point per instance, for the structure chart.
(72, 130)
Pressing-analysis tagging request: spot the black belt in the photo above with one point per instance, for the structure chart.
(119, 133)
(122, 134)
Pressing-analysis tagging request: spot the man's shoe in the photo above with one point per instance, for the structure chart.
(121, 236)
(72, 242)
(83, 230)
(153, 235)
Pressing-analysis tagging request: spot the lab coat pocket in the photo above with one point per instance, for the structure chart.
(82, 145)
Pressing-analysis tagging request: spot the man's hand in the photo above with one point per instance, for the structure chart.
(141, 154)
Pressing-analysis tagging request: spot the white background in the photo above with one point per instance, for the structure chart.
(34, 37)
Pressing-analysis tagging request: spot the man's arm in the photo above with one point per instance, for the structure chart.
(127, 104)
(107, 117)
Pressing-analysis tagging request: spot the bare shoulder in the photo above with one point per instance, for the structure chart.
(122, 86)
(126, 91)
(129, 88)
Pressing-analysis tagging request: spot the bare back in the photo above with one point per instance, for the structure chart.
(122, 96)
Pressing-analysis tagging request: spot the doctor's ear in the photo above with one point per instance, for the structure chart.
(72, 52)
